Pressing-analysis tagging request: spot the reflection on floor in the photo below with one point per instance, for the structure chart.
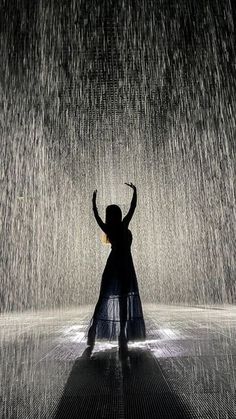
(185, 368)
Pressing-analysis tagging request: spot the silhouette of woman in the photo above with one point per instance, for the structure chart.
(118, 312)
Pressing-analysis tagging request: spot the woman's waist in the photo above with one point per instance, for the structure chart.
(120, 249)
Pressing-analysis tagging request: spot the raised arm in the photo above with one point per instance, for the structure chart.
(101, 224)
(133, 204)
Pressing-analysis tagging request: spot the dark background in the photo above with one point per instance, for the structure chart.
(95, 94)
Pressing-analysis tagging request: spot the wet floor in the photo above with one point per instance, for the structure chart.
(185, 368)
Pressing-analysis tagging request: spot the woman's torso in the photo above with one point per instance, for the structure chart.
(120, 237)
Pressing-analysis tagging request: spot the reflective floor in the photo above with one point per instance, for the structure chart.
(185, 369)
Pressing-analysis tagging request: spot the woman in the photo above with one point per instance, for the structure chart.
(118, 312)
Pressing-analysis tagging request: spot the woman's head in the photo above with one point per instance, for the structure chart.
(113, 215)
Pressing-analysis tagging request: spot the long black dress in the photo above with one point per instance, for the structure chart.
(119, 298)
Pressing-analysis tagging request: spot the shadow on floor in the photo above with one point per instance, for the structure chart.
(110, 386)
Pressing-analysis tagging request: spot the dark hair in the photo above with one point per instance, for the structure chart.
(113, 215)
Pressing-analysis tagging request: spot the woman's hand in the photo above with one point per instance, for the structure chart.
(131, 185)
(94, 197)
